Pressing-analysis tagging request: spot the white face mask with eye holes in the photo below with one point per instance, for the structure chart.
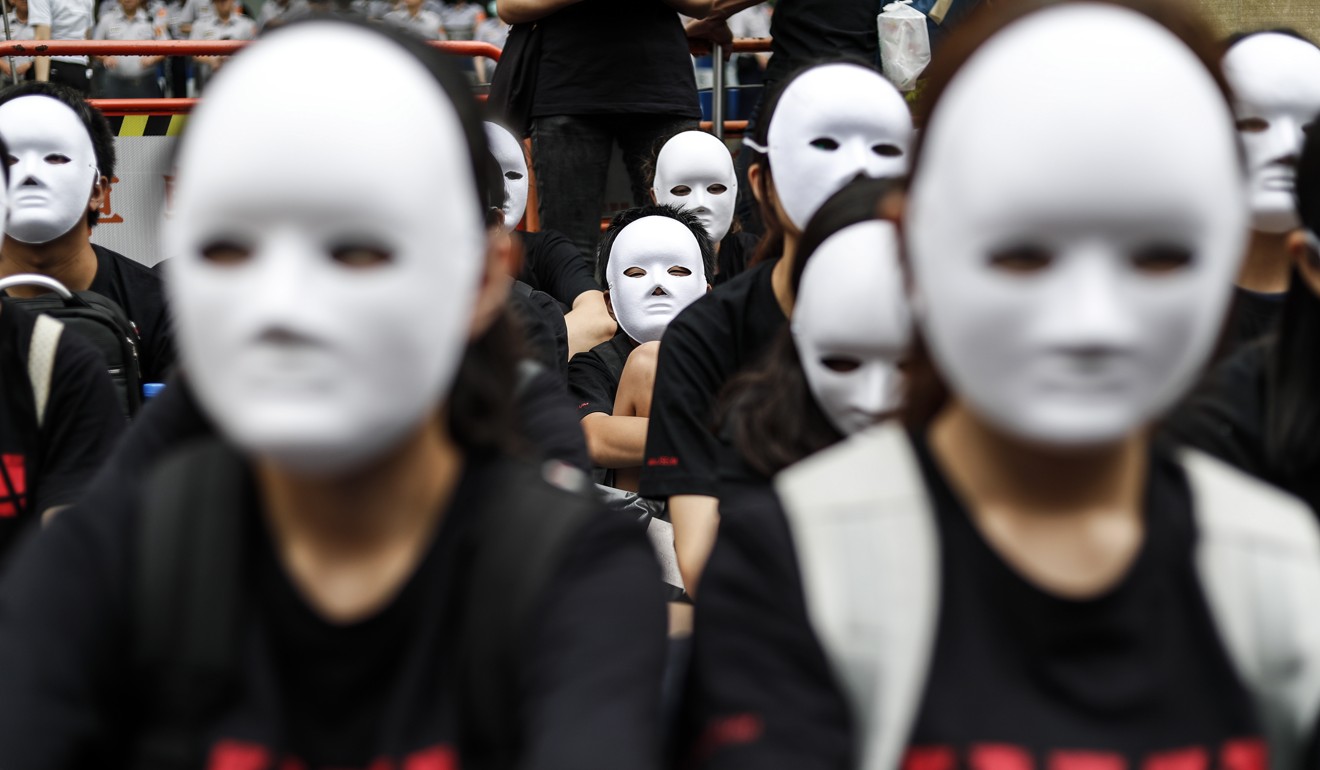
(654, 271)
(694, 171)
(508, 152)
(322, 306)
(852, 326)
(1069, 297)
(52, 168)
(832, 124)
(1276, 81)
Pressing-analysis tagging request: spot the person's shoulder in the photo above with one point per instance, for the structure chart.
(722, 303)
(132, 270)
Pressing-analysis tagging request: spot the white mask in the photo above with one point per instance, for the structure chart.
(299, 355)
(1047, 244)
(1276, 81)
(54, 168)
(852, 326)
(832, 124)
(694, 171)
(508, 152)
(655, 271)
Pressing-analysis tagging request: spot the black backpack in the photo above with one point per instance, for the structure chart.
(188, 611)
(97, 319)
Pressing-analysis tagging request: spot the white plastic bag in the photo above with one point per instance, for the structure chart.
(904, 44)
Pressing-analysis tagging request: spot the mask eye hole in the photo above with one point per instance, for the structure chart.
(1022, 259)
(825, 143)
(680, 271)
(226, 252)
(841, 364)
(513, 176)
(717, 189)
(1162, 258)
(681, 191)
(359, 256)
(10, 160)
(887, 150)
(1253, 125)
(634, 272)
(56, 159)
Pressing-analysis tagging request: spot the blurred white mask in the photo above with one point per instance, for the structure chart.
(1074, 244)
(508, 152)
(323, 303)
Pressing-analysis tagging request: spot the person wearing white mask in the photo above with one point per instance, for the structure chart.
(1024, 577)
(550, 262)
(824, 127)
(337, 325)
(1275, 77)
(656, 260)
(59, 415)
(694, 171)
(61, 162)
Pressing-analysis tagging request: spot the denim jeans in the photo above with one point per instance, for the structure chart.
(571, 157)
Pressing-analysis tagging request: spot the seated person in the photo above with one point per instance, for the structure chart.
(550, 263)
(62, 157)
(656, 261)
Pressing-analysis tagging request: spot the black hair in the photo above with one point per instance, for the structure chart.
(103, 140)
(4, 155)
(1292, 419)
(625, 218)
(772, 244)
(769, 410)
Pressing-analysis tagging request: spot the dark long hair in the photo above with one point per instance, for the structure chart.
(769, 409)
(927, 392)
(1292, 418)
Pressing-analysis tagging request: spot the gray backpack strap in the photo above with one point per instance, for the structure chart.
(41, 361)
(868, 550)
(1258, 555)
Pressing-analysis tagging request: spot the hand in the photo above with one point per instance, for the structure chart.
(4, 66)
(110, 62)
(705, 33)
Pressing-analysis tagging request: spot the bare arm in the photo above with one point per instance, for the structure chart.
(42, 32)
(615, 441)
(696, 521)
(523, 11)
(697, 9)
(589, 322)
(714, 25)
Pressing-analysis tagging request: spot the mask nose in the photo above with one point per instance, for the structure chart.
(1284, 141)
(659, 291)
(1087, 316)
(880, 391)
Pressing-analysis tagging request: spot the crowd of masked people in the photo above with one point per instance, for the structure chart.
(990, 439)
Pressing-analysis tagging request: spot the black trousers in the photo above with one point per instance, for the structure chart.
(72, 75)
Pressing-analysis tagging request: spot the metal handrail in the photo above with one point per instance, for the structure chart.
(189, 48)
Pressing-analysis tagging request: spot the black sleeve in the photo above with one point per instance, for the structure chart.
(557, 266)
(1224, 416)
(543, 327)
(83, 421)
(596, 655)
(158, 339)
(549, 422)
(692, 367)
(591, 385)
(760, 694)
(64, 652)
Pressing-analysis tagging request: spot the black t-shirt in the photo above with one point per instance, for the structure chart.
(314, 694)
(711, 340)
(612, 57)
(736, 250)
(49, 466)
(1139, 671)
(593, 376)
(140, 292)
(1225, 417)
(541, 320)
(548, 422)
(1252, 315)
(552, 264)
(808, 30)
(1130, 678)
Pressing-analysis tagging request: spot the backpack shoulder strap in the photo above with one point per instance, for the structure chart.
(868, 550)
(521, 534)
(46, 332)
(186, 600)
(1258, 558)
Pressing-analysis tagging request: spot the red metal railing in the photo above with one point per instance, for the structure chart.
(187, 48)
